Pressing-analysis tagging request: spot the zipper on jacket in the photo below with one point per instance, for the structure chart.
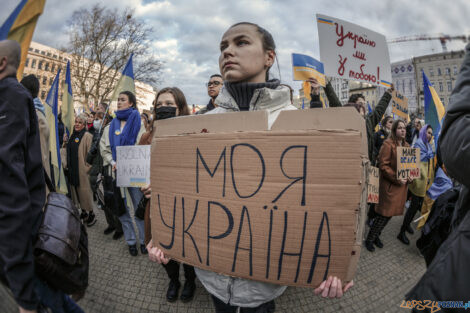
(229, 290)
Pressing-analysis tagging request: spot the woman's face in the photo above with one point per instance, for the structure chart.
(429, 134)
(166, 100)
(123, 102)
(242, 57)
(389, 124)
(90, 119)
(79, 125)
(401, 131)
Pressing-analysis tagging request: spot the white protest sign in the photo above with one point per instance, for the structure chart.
(353, 52)
(133, 166)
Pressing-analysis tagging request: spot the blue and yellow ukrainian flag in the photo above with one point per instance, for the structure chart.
(434, 111)
(369, 108)
(126, 82)
(20, 26)
(68, 113)
(54, 145)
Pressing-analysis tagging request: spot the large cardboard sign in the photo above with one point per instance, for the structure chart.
(373, 185)
(133, 166)
(408, 162)
(400, 105)
(277, 205)
(305, 67)
(353, 52)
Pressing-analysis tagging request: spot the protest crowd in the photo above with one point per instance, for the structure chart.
(89, 162)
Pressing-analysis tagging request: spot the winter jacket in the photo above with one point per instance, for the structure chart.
(22, 190)
(232, 290)
(209, 107)
(392, 194)
(372, 119)
(447, 276)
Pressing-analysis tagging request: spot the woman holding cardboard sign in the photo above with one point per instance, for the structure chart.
(169, 102)
(247, 54)
(419, 186)
(392, 192)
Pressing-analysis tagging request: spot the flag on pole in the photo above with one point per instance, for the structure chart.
(68, 113)
(20, 26)
(434, 111)
(54, 144)
(126, 82)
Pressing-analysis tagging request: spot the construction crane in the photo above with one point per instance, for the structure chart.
(442, 38)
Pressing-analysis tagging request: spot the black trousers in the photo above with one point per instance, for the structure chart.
(376, 229)
(416, 204)
(112, 220)
(173, 270)
(221, 307)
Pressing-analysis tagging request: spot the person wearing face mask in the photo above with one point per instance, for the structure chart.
(169, 102)
(93, 157)
(420, 185)
(77, 149)
(392, 192)
(247, 54)
(126, 130)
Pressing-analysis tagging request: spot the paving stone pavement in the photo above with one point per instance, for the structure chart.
(124, 284)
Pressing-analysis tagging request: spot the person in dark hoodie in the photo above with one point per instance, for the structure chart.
(446, 278)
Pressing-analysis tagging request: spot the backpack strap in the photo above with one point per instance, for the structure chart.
(48, 181)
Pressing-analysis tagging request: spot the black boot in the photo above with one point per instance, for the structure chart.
(133, 250)
(402, 237)
(378, 243)
(370, 246)
(172, 293)
(188, 291)
(410, 230)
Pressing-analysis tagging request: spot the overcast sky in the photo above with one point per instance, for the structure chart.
(187, 33)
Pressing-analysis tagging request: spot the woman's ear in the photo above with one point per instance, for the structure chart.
(270, 57)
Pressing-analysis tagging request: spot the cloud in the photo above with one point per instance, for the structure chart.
(186, 34)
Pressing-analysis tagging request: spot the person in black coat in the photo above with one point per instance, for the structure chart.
(382, 135)
(22, 187)
(447, 276)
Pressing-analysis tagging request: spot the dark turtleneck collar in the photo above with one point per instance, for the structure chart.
(243, 92)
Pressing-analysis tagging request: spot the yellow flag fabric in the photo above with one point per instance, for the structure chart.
(23, 29)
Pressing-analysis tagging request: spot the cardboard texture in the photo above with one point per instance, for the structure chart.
(400, 105)
(408, 162)
(373, 185)
(281, 206)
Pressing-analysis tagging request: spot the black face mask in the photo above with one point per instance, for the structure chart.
(162, 113)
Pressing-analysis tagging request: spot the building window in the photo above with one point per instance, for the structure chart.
(52, 67)
(30, 49)
(43, 94)
(344, 95)
(26, 64)
(44, 80)
(449, 86)
(48, 54)
(46, 66)
(36, 50)
(447, 70)
(442, 101)
(33, 63)
(431, 71)
(441, 86)
(439, 73)
(455, 70)
(411, 86)
(55, 56)
(51, 80)
(40, 65)
(373, 103)
(403, 86)
(367, 93)
(43, 52)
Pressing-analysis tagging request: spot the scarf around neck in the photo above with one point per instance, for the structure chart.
(128, 135)
(243, 92)
(72, 156)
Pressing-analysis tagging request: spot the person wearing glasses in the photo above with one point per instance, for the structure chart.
(213, 87)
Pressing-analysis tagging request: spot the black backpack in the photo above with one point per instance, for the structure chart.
(61, 248)
(438, 225)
